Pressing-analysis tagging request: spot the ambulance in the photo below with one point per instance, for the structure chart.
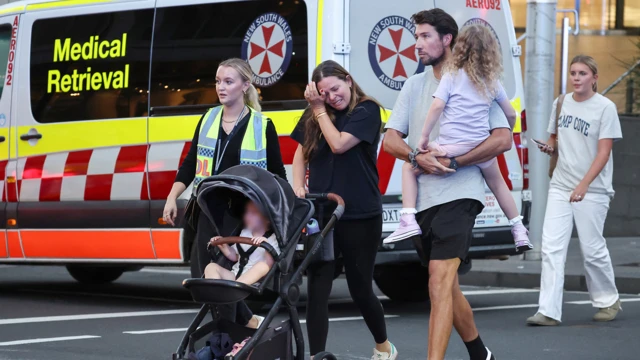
(100, 98)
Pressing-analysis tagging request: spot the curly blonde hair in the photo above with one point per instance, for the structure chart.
(478, 53)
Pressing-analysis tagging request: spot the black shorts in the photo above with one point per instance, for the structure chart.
(447, 230)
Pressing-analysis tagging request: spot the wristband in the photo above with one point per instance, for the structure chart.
(412, 158)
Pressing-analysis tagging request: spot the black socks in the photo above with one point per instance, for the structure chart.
(477, 350)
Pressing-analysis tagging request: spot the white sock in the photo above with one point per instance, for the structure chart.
(406, 211)
(515, 221)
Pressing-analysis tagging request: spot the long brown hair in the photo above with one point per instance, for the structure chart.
(477, 52)
(590, 63)
(312, 129)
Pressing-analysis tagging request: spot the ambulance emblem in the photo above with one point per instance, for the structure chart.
(268, 46)
(392, 51)
(478, 21)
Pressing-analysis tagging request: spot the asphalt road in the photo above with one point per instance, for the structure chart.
(44, 314)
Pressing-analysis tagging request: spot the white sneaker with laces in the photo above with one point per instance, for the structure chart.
(379, 355)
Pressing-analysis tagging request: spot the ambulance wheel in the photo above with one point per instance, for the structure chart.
(95, 275)
(403, 282)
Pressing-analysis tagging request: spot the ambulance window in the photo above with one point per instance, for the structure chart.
(5, 41)
(91, 67)
(190, 41)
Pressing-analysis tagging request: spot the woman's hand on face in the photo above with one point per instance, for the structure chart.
(170, 212)
(316, 100)
(300, 192)
(579, 193)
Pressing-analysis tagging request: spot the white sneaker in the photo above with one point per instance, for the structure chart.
(378, 355)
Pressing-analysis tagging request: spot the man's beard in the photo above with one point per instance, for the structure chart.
(434, 61)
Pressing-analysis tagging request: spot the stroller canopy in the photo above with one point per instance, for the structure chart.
(273, 196)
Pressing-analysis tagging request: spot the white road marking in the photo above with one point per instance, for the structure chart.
(95, 316)
(497, 291)
(350, 318)
(158, 331)
(167, 271)
(506, 307)
(114, 296)
(588, 302)
(46, 340)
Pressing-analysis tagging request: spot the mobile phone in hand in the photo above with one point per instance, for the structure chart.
(540, 143)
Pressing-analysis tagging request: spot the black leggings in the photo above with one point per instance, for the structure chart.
(357, 241)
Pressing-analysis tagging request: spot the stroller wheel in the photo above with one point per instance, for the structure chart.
(324, 356)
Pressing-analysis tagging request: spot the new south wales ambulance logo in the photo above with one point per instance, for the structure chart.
(392, 51)
(267, 46)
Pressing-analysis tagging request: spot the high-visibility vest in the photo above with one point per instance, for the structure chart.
(253, 150)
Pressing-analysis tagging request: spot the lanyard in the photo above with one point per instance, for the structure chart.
(219, 155)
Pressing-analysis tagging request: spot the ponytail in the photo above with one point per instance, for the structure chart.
(251, 97)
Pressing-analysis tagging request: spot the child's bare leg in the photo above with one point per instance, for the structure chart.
(253, 275)
(215, 271)
(409, 187)
(408, 225)
(498, 186)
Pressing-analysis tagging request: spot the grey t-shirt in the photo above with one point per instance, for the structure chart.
(408, 116)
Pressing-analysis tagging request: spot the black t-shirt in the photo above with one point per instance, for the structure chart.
(352, 175)
(187, 171)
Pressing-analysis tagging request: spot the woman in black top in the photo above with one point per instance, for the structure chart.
(338, 143)
(240, 107)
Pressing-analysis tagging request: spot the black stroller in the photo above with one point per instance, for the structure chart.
(288, 216)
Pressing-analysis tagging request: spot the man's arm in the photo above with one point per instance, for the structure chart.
(497, 143)
(428, 163)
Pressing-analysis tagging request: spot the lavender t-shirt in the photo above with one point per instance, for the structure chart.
(465, 119)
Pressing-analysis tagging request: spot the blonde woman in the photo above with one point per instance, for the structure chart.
(579, 192)
(471, 82)
(218, 144)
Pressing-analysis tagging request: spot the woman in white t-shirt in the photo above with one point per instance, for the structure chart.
(580, 191)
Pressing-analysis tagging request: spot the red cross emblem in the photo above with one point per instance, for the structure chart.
(276, 49)
(386, 53)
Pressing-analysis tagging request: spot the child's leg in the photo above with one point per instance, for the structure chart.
(409, 187)
(495, 181)
(498, 186)
(253, 275)
(408, 225)
(215, 271)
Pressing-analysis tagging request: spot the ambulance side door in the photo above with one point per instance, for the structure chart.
(9, 244)
(82, 132)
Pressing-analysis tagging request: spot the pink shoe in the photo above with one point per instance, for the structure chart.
(521, 237)
(408, 227)
(237, 347)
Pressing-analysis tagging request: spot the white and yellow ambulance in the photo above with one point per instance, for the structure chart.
(100, 98)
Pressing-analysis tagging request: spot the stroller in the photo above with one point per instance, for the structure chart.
(288, 216)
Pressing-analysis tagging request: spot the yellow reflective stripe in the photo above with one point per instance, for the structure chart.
(518, 107)
(213, 130)
(249, 140)
(319, 32)
(14, 9)
(63, 3)
(81, 135)
(4, 150)
(172, 128)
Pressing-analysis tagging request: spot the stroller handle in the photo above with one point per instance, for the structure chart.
(339, 211)
(247, 241)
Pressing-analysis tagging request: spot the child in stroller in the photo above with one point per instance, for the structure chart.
(252, 263)
(287, 216)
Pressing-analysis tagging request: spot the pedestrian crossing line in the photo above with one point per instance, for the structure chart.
(158, 331)
(47, 340)
(497, 291)
(119, 315)
(587, 302)
(505, 307)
